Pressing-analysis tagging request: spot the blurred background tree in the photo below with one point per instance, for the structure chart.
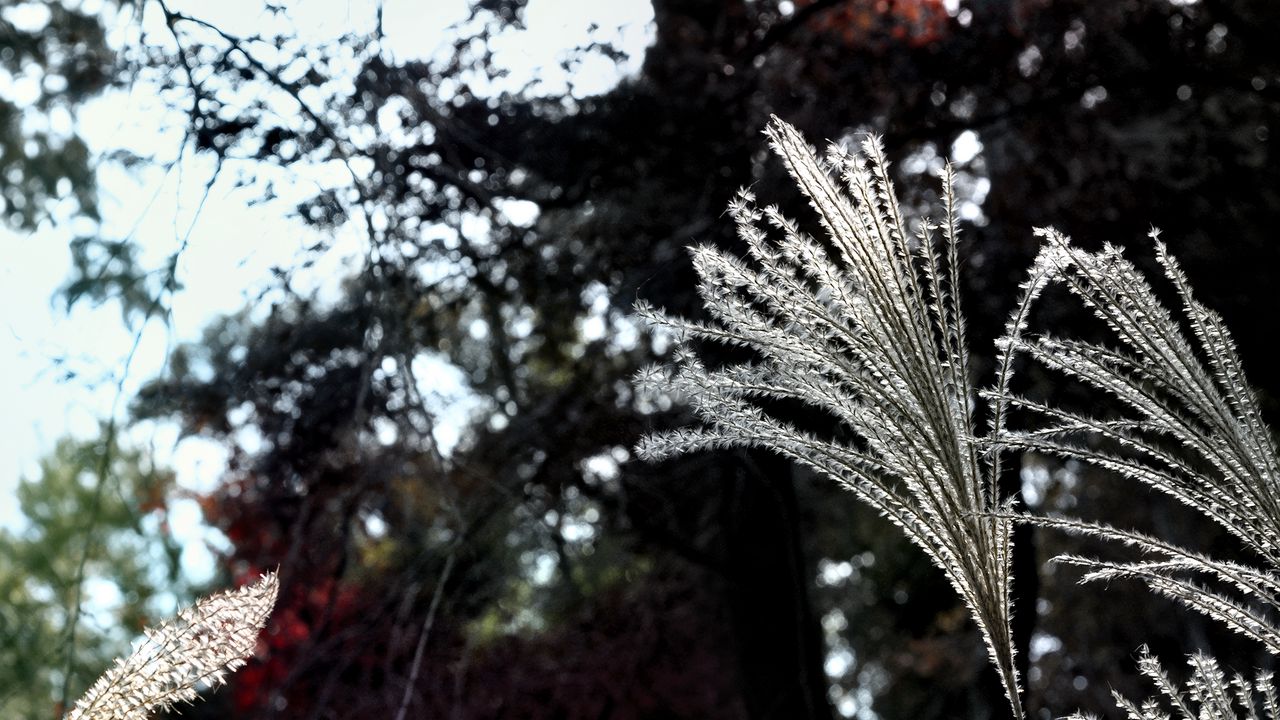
(126, 567)
(530, 569)
(54, 57)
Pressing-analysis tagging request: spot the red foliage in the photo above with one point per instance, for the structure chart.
(914, 23)
(344, 647)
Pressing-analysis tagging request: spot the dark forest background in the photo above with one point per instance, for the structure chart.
(536, 570)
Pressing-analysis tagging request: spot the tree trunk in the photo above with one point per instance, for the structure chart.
(780, 649)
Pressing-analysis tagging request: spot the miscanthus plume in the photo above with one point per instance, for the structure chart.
(863, 324)
(174, 660)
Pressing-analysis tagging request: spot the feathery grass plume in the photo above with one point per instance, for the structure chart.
(198, 648)
(1209, 695)
(1193, 430)
(865, 326)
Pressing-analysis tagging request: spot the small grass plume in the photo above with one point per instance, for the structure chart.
(174, 660)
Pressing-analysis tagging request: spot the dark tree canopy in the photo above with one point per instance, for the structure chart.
(54, 57)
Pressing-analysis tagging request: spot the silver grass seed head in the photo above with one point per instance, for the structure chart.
(177, 658)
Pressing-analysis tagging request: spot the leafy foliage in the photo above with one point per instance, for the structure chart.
(130, 553)
(56, 56)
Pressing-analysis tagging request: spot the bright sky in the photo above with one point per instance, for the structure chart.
(231, 245)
